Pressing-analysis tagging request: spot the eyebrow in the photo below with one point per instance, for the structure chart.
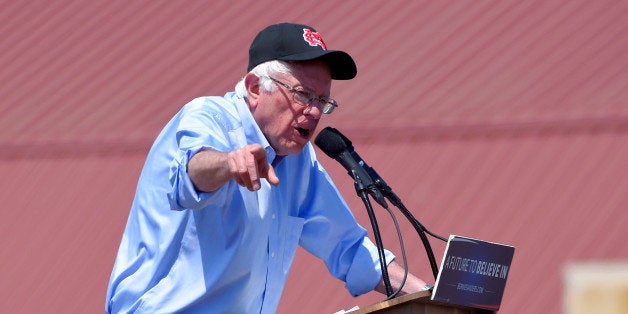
(307, 89)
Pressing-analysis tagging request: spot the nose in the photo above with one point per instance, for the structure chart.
(314, 110)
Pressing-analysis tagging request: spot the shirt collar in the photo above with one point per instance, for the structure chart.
(251, 129)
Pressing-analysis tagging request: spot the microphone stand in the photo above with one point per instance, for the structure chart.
(363, 192)
(420, 229)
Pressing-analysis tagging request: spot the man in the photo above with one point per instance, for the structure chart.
(232, 185)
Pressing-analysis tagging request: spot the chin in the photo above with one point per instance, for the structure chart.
(292, 149)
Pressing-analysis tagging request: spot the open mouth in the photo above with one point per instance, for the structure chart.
(303, 132)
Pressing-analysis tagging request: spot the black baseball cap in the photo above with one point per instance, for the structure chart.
(297, 42)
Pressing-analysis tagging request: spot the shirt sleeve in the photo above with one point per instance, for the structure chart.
(184, 194)
(332, 234)
(200, 127)
(365, 271)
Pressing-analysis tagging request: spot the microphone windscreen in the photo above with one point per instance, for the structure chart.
(331, 142)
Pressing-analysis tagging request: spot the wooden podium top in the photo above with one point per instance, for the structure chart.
(418, 302)
(378, 307)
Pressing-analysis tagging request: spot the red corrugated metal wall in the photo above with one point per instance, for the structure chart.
(501, 120)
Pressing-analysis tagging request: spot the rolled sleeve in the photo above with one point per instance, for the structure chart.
(183, 194)
(365, 271)
(191, 137)
(332, 234)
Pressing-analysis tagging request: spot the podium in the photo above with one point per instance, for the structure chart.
(418, 303)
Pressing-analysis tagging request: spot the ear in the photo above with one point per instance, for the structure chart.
(251, 82)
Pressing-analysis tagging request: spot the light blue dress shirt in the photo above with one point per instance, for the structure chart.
(229, 251)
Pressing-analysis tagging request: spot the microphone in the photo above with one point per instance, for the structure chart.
(335, 145)
(339, 147)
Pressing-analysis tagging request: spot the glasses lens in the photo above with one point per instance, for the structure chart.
(328, 107)
(302, 97)
(305, 98)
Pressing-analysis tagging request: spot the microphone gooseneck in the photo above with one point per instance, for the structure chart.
(334, 145)
(337, 146)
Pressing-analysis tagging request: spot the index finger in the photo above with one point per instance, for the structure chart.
(257, 155)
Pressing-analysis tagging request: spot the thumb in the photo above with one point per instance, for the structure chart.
(271, 176)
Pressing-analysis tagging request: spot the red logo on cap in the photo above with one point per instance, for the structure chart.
(313, 38)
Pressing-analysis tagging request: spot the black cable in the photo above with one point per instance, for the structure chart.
(378, 240)
(380, 191)
(403, 253)
(420, 229)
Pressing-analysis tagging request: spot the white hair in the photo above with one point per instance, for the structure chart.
(262, 71)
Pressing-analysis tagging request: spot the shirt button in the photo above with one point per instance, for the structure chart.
(272, 254)
(273, 216)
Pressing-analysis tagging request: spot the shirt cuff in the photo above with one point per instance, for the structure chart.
(365, 272)
(184, 194)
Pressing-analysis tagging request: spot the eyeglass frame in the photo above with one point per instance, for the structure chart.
(308, 98)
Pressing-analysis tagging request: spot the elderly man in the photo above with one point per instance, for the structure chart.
(232, 185)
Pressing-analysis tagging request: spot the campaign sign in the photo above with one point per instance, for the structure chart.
(473, 273)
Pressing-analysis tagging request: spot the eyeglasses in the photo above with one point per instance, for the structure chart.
(305, 98)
